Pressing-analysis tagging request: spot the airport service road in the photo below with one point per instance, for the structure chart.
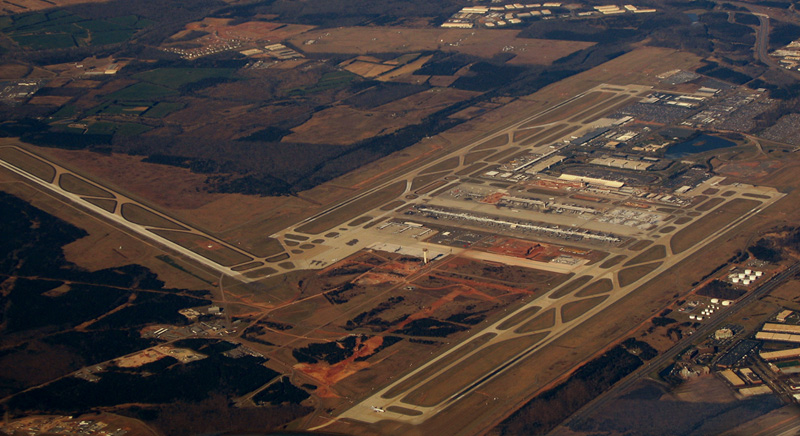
(363, 411)
(141, 231)
(341, 246)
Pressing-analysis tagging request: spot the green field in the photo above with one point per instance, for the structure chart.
(110, 128)
(62, 29)
(44, 42)
(177, 77)
(141, 91)
(163, 109)
(66, 111)
(332, 80)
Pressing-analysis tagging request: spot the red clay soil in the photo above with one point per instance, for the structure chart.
(332, 374)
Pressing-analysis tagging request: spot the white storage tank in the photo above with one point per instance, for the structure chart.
(746, 282)
(735, 280)
(748, 271)
(714, 300)
(758, 273)
(726, 303)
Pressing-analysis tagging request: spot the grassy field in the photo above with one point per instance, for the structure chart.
(163, 109)
(103, 203)
(710, 204)
(575, 309)
(466, 372)
(62, 29)
(722, 215)
(202, 246)
(70, 183)
(640, 245)
(655, 252)
(477, 42)
(571, 287)
(448, 164)
(176, 77)
(613, 261)
(138, 215)
(545, 320)
(495, 142)
(354, 209)
(439, 365)
(518, 318)
(142, 91)
(332, 80)
(601, 286)
(631, 274)
(28, 163)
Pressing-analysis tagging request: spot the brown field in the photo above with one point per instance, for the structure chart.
(105, 246)
(573, 107)
(607, 103)
(500, 155)
(342, 125)
(495, 142)
(601, 286)
(683, 220)
(247, 266)
(710, 204)
(575, 309)
(461, 375)
(448, 164)
(138, 215)
(393, 205)
(655, 252)
(9, 7)
(443, 190)
(543, 321)
(221, 29)
(103, 203)
(354, 209)
(571, 287)
(518, 318)
(520, 135)
(431, 187)
(555, 135)
(473, 344)
(419, 182)
(667, 229)
(640, 245)
(50, 100)
(356, 222)
(201, 245)
(610, 110)
(405, 72)
(477, 42)
(27, 163)
(713, 221)
(476, 156)
(546, 133)
(367, 69)
(471, 169)
(72, 184)
(13, 71)
(631, 274)
(613, 261)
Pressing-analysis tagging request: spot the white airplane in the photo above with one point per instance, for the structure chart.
(378, 409)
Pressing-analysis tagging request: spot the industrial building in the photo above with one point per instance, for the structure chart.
(780, 354)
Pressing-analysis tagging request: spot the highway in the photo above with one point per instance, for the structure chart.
(663, 359)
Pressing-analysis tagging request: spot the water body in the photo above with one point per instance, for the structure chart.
(693, 17)
(699, 144)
